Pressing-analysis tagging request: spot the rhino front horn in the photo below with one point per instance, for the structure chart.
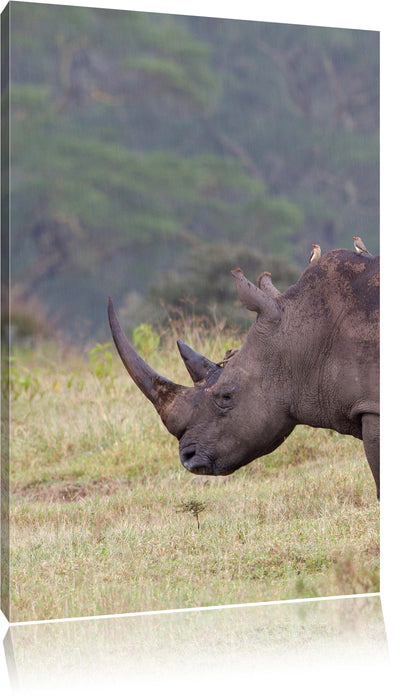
(159, 390)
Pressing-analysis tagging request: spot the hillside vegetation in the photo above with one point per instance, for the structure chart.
(143, 143)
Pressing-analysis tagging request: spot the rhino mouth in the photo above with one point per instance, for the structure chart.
(204, 469)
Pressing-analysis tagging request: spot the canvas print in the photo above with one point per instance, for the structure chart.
(190, 312)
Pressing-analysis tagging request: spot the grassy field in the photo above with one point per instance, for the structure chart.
(104, 519)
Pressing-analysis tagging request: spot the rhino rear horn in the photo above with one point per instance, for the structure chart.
(198, 366)
(265, 283)
(256, 299)
(159, 390)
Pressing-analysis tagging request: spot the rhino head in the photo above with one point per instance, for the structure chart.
(232, 414)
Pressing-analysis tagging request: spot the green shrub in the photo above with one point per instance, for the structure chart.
(101, 361)
(145, 340)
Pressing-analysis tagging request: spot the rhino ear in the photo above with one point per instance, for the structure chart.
(265, 283)
(256, 299)
(198, 366)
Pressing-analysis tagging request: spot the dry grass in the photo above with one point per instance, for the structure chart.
(99, 522)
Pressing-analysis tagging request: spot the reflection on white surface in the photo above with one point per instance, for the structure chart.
(192, 653)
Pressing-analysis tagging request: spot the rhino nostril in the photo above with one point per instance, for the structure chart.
(188, 454)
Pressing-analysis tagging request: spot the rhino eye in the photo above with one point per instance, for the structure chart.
(224, 399)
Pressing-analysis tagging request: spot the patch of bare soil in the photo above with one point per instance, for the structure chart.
(70, 491)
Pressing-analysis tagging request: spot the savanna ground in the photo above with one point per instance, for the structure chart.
(104, 519)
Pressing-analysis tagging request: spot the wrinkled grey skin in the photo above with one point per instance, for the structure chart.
(311, 357)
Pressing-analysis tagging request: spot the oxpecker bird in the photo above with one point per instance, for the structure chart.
(227, 357)
(316, 253)
(360, 247)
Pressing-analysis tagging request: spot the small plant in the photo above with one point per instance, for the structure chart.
(145, 339)
(101, 361)
(194, 507)
(75, 380)
(23, 380)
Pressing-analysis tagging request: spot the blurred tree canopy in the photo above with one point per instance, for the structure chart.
(148, 150)
(204, 290)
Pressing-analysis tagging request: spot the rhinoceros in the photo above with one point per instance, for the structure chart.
(310, 357)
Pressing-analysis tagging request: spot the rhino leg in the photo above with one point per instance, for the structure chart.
(370, 437)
